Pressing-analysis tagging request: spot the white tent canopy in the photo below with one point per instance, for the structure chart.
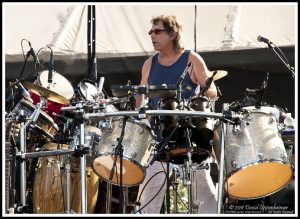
(121, 30)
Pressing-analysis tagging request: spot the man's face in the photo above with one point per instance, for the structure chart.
(159, 37)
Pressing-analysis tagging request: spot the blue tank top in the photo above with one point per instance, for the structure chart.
(170, 75)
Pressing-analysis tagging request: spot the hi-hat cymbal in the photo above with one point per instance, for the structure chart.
(44, 92)
(220, 74)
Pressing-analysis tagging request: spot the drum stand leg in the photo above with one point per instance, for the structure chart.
(168, 185)
(221, 170)
(190, 183)
(175, 173)
(23, 205)
(68, 186)
(83, 172)
(11, 181)
(125, 201)
(108, 197)
(190, 171)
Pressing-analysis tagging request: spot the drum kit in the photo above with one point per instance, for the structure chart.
(116, 146)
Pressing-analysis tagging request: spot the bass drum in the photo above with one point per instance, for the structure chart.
(256, 161)
(49, 190)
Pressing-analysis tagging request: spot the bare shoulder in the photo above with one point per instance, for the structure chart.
(195, 57)
(145, 70)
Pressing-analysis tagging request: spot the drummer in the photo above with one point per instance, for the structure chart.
(166, 67)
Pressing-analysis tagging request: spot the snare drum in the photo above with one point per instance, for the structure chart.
(59, 85)
(49, 191)
(137, 147)
(256, 161)
(43, 126)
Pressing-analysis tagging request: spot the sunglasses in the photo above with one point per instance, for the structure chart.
(156, 31)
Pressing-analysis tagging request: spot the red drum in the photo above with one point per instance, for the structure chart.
(59, 85)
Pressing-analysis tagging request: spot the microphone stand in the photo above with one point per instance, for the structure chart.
(119, 151)
(11, 100)
(208, 82)
(286, 64)
(164, 142)
(260, 92)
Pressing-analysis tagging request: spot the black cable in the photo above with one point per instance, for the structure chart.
(155, 194)
(287, 62)
(23, 48)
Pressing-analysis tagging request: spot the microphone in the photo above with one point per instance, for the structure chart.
(35, 57)
(50, 75)
(23, 92)
(208, 82)
(183, 74)
(100, 85)
(264, 85)
(263, 39)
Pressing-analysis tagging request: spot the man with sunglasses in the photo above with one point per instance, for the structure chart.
(167, 67)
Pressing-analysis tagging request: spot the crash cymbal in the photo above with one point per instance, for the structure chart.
(220, 74)
(44, 92)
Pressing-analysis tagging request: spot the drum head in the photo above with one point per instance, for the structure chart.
(59, 85)
(87, 90)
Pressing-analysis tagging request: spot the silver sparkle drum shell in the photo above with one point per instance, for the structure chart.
(137, 146)
(256, 163)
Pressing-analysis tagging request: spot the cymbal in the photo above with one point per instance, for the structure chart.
(220, 74)
(44, 92)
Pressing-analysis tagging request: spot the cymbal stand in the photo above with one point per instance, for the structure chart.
(168, 205)
(23, 127)
(190, 172)
(83, 150)
(68, 185)
(221, 167)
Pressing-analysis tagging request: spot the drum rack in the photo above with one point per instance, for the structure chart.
(226, 116)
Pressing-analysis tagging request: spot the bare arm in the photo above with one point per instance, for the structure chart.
(144, 81)
(200, 73)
